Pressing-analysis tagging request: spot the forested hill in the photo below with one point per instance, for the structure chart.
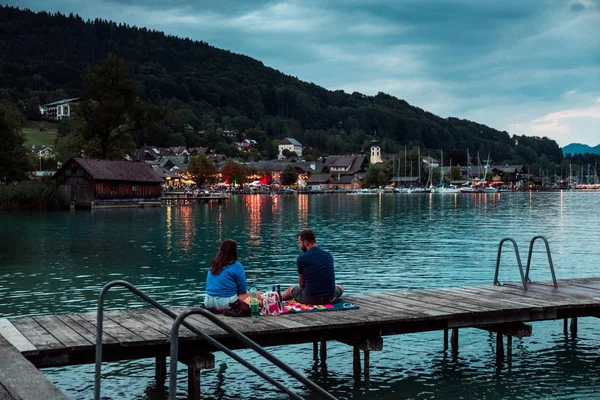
(42, 56)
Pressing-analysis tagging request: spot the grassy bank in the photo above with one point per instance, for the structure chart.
(40, 133)
(29, 195)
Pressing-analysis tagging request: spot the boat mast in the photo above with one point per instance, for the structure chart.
(441, 167)
(419, 163)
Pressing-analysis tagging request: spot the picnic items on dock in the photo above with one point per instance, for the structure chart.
(292, 306)
(271, 304)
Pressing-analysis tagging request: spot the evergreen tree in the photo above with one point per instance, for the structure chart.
(289, 176)
(202, 170)
(13, 162)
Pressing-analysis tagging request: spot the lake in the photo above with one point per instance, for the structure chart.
(57, 262)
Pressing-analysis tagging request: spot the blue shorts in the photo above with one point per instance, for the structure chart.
(218, 302)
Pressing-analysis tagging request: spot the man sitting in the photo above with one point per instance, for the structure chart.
(316, 277)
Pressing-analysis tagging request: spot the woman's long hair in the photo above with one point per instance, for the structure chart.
(227, 255)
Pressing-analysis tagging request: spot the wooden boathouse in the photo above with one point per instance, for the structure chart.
(59, 340)
(87, 182)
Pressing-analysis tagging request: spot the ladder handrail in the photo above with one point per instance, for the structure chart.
(496, 282)
(133, 289)
(548, 253)
(180, 320)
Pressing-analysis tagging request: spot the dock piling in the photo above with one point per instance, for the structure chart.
(573, 326)
(454, 340)
(356, 364)
(195, 364)
(509, 350)
(160, 372)
(445, 339)
(499, 348)
(315, 351)
(366, 370)
(323, 350)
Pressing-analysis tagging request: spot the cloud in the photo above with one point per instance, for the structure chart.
(505, 64)
(567, 125)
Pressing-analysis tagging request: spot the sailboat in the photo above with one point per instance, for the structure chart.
(469, 187)
(443, 189)
(487, 188)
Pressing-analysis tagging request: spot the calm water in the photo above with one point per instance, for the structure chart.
(57, 262)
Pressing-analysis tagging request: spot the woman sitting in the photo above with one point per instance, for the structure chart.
(226, 279)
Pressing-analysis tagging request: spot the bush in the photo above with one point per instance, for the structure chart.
(29, 195)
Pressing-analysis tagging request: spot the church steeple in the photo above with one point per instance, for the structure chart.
(375, 151)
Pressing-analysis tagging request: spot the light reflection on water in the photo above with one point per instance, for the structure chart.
(56, 262)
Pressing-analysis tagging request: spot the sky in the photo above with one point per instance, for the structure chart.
(530, 67)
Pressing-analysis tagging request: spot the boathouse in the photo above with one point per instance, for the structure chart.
(86, 182)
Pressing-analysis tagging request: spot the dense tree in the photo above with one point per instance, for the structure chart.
(289, 176)
(375, 176)
(202, 170)
(235, 173)
(13, 162)
(106, 116)
(209, 88)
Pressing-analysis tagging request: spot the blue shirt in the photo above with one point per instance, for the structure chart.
(317, 267)
(230, 282)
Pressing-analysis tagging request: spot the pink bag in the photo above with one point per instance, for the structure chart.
(270, 304)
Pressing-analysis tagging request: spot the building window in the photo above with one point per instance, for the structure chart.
(133, 188)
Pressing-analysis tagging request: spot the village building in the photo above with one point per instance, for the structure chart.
(318, 182)
(86, 182)
(57, 110)
(347, 171)
(291, 145)
(375, 152)
(43, 151)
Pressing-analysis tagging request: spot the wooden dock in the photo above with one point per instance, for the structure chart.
(175, 197)
(58, 340)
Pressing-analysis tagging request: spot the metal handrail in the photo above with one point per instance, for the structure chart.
(99, 332)
(548, 253)
(496, 282)
(237, 335)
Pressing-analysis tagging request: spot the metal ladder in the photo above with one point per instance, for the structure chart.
(180, 320)
(524, 276)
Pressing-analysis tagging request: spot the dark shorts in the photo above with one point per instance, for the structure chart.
(299, 294)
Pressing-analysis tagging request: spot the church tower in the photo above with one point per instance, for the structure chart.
(375, 152)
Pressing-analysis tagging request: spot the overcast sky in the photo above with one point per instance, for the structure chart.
(531, 67)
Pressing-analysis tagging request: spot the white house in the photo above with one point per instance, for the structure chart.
(58, 109)
(290, 144)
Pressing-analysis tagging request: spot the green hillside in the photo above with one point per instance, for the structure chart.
(213, 90)
(40, 133)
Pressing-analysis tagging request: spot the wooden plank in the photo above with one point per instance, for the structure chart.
(36, 334)
(123, 335)
(433, 310)
(543, 299)
(434, 297)
(149, 320)
(15, 337)
(63, 333)
(510, 294)
(86, 325)
(566, 294)
(520, 302)
(492, 305)
(198, 322)
(135, 325)
(385, 306)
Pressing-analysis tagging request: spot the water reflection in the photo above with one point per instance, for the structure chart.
(303, 210)
(187, 223)
(385, 242)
